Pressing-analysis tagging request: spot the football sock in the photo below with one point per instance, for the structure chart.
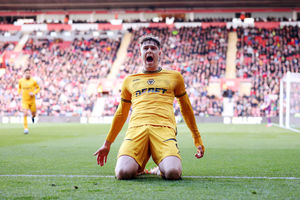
(154, 171)
(25, 122)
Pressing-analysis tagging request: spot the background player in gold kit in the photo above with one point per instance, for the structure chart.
(152, 127)
(29, 88)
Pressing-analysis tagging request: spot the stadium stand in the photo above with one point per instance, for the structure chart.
(264, 56)
(63, 74)
(69, 63)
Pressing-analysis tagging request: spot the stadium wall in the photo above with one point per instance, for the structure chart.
(108, 120)
(142, 15)
(125, 26)
(288, 15)
(214, 15)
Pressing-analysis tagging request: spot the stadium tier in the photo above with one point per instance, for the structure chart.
(79, 71)
(264, 56)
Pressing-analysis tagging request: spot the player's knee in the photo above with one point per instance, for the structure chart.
(125, 173)
(173, 174)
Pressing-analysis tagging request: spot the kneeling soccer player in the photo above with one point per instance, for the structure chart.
(152, 127)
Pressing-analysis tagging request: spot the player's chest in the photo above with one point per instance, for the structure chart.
(27, 85)
(151, 85)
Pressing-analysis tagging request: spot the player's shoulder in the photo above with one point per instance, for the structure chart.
(128, 79)
(162, 72)
(21, 80)
(170, 71)
(34, 80)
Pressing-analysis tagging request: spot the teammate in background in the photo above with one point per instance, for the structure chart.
(29, 88)
(152, 127)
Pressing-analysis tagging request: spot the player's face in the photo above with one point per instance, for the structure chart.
(27, 74)
(150, 53)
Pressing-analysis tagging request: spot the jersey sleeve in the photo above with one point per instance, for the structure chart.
(37, 88)
(125, 93)
(118, 121)
(187, 111)
(121, 113)
(189, 118)
(179, 90)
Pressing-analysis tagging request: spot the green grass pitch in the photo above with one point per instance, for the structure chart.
(67, 149)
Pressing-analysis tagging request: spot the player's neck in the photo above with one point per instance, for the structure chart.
(149, 71)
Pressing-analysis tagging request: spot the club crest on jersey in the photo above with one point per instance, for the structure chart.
(150, 81)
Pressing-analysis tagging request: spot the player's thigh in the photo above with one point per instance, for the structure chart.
(25, 108)
(163, 143)
(32, 107)
(136, 145)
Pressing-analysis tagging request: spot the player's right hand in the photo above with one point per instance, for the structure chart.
(102, 153)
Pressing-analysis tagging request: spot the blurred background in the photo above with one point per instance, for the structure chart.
(232, 54)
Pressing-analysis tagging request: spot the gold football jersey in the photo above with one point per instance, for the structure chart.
(152, 97)
(27, 86)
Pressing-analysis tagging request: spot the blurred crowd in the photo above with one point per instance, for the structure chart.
(63, 75)
(6, 46)
(12, 20)
(264, 56)
(65, 70)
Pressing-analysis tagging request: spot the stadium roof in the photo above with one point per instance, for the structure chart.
(143, 4)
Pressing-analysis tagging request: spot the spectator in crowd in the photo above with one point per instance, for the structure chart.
(264, 56)
(65, 71)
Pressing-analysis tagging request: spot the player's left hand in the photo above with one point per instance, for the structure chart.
(31, 94)
(200, 152)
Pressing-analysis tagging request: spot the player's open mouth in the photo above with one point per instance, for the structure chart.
(149, 59)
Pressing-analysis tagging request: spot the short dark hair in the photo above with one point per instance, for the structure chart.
(27, 69)
(150, 38)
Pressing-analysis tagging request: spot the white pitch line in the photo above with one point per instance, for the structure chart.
(55, 175)
(291, 129)
(244, 177)
(193, 177)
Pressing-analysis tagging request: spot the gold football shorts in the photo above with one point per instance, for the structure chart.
(144, 141)
(29, 106)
